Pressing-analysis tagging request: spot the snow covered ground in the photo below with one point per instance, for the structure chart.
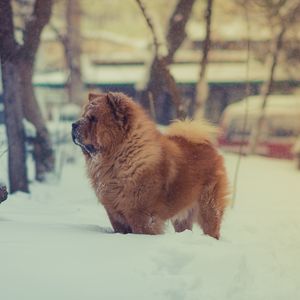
(57, 243)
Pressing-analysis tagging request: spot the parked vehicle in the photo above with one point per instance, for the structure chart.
(280, 128)
(296, 151)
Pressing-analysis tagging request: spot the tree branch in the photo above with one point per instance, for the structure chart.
(207, 41)
(8, 44)
(266, 91)
(3, 152)
(163, 65)
(151, 26)
(267, 87)
(61, 37)
(202, 86)
(34, 27)
(176, 29)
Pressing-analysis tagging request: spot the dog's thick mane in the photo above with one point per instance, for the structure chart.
(140, 150)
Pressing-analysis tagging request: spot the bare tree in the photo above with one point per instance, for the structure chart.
(71, 42)
(282, 14)
(160, 83)
(202, 85)
(72, 46)
(18, 180)
(34, 25)
(22, 58)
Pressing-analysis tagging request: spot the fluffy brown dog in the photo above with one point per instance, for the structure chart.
(143, 177)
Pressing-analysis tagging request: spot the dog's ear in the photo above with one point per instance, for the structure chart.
(118, 109)
(92, 96)
(113, 102)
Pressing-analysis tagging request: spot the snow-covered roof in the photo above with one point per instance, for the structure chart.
(281, 105)
(233, 30)
(58, 77)
(183, 73)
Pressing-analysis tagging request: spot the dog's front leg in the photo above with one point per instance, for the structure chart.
(145, 223)
(119, 223)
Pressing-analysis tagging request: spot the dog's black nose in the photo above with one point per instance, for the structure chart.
(75, 125)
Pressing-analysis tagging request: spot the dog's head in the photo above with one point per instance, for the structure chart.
(104, 123)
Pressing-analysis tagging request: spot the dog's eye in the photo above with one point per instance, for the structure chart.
(93, 119)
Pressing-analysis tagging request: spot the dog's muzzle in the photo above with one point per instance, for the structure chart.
(75, 133)
(89, 148)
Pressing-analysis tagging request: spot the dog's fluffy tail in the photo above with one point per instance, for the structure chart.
(195, 131)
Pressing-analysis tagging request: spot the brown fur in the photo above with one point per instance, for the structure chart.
(143, 177)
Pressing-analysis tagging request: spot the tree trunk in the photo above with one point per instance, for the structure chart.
(202, 89)
(72, 48)
(176, 33)
(18, 180)
(43, 152)
(162, 90)
(266, 91)
(159, 87)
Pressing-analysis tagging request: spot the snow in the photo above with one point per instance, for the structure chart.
(29, 128)
(186, 73)
(57, 243)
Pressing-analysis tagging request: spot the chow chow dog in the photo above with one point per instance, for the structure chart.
(143, 177)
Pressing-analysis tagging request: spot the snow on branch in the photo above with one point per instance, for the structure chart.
(34, 26)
